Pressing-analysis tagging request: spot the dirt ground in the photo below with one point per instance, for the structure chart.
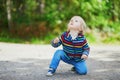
(31, 62)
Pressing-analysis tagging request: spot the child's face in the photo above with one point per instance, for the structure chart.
(74, 23)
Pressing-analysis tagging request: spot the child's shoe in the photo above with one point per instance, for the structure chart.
(50, 72)
(73, 69)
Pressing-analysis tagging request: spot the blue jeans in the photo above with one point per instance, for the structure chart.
(80, 66)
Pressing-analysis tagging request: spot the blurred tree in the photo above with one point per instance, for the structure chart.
(115, 9)
(9, 17)
(54, 14)
(3, 14)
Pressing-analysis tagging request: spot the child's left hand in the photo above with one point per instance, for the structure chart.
(84, 57)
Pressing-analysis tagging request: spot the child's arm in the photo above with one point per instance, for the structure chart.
(56, 42)
(86, 50)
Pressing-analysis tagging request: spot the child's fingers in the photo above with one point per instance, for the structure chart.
(84, 57)
(56, 40)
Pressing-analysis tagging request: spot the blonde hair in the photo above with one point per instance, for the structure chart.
(82, 26)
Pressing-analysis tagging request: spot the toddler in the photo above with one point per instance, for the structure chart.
(75, 47)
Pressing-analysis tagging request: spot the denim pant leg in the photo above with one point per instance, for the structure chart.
(56, 59)
(81, 67)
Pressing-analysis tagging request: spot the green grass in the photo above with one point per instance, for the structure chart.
(11, 40)
(91, 38)
(111, 40)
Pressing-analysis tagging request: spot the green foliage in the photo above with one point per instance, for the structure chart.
(6, 38)
(102, 18)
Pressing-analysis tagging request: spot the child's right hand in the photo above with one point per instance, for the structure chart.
(56, 40)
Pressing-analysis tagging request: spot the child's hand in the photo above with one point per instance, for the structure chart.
(56, 40)
(84, 57)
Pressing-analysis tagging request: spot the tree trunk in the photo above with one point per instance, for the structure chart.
(8, 5)
(42, 5)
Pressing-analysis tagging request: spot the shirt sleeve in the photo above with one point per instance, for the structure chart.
(55, 45)
(86, 49)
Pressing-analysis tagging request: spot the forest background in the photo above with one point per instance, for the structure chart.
(40, 21)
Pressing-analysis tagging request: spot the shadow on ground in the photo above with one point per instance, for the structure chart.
(35, 69)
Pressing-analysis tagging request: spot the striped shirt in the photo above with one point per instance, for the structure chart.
(77, 46)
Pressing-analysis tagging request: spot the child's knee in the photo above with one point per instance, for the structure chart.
(82, 71)
(59, 52)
